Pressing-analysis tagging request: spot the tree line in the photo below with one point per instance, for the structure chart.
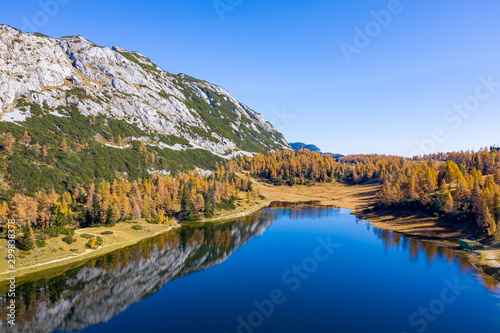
(464, 186)
(159, 199)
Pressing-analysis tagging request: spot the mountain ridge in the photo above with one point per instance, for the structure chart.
(73, 113)
(57, 72)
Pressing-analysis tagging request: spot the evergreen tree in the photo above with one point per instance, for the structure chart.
(58, 217)
(209, 204)
(27, 241)
(110, 217)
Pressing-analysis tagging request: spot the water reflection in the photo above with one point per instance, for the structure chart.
(104, 287)
(301, 210)
(431, 251)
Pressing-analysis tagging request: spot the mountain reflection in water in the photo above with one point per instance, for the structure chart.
(105, 286)
(102, 288)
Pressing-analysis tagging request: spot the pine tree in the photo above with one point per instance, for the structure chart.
(58, 217)
(37, 149)
(184, 200)
(209, 204)
(110, 217)
(142, 148)
(484, 216)
(4, 211)
(27, 241)
(199, 203)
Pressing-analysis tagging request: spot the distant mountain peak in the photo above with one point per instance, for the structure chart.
(301, 145)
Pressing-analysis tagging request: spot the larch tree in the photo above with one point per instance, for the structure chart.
(8, 142)
(64, 144)
(26, 139)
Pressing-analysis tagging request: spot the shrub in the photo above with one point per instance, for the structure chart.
(107, 232)
(36, 109)
(91, 243)
(41, 236)
(193, 217)
(227, 204)
(262, 197)
(137, 227)
(69, 239)
(26, 242)
(99, 241)
(53, 231)
(87, 236)
(40, 243)
(69, 231)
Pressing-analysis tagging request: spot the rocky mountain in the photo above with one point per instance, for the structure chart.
(43, 76)
(101, 289)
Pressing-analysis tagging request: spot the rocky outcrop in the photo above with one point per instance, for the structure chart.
(125, 85)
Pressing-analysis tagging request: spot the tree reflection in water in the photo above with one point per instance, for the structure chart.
(103, 287)
(431, 251)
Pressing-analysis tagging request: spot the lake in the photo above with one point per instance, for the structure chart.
(279, 270)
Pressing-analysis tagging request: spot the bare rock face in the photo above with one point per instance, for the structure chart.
(125, 85)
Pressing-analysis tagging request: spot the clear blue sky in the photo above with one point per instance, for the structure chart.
(283, 58)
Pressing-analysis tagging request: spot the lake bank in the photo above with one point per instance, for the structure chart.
(358, 198)
(361, 198)
(55, 255)
(220, 269)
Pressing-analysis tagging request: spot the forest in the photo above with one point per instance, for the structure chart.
(463, 187)
(159, 200)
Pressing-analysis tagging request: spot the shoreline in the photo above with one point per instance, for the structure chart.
(357, 198)
(75, 259)
(78, 258)
(485, 261)
(237, 215)
(360, 199)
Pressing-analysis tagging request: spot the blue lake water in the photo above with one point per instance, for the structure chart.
(279, 270)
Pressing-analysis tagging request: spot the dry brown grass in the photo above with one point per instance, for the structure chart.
(57, 252)
(411, 223)
(492, 257)
(332, 194)
(360, 198)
